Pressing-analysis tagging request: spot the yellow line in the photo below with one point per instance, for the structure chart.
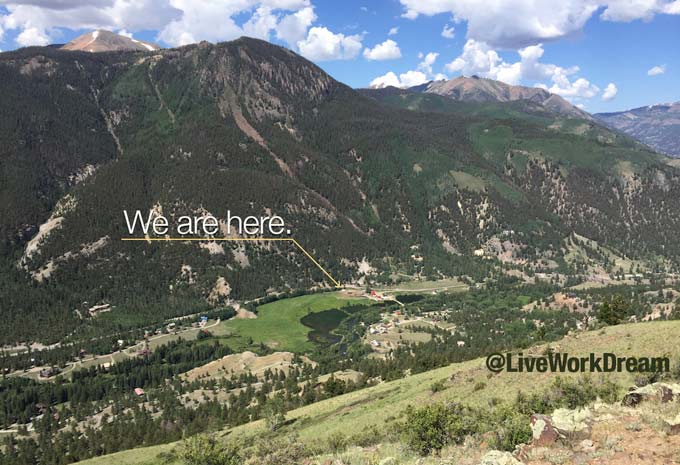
(337, 284)
(236, 239)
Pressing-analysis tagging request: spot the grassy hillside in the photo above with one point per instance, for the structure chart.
(469, 383)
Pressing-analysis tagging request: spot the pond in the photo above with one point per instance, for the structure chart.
(322, 324)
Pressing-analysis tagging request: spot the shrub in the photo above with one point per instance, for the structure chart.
(509, 428)
(430, 428)
(369, 436)
(675, 372)
(287, 451)
(438, 386)
(567, 393)
(336, 442)
(205, 450)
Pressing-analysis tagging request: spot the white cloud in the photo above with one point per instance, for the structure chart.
(214, 21)
(656, 70)
(626, 11)
(610, 92)
(178, 21)
(124, 33)
(407, 79)
(293, 28)
(428, 61)
(38, 21)
(261, 23)
(580, 88)
(32, 36)
(393, 31)
(480, 59)
(421, 75)
(386, 80)
(412, 78)
(448, 32)
(532, 69)
(388, 50)
(518, 23)
(322, 44)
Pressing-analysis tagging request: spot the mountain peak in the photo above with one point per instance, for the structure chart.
(107, 41)
(480, 89)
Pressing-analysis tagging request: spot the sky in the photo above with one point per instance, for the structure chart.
(602, 55)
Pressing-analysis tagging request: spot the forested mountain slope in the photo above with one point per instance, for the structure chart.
(252, 128)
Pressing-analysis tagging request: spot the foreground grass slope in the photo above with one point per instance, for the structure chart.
(470, 383)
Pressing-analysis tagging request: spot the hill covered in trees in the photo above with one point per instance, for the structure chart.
(366, 187)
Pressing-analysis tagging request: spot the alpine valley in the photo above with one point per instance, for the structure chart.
(429, 228)
(375, 184)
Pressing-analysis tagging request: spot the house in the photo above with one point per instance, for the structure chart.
(375, 343)
(49, 372)
(460, 343)
(139, 392)
(94, 311)
(376, 296)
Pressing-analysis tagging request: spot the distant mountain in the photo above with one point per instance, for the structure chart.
(106, 41)
(656, 125)
(481, 90)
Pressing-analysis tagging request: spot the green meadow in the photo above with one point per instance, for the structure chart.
(278, 324)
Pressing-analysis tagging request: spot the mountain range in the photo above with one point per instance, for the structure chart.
(481, 90)
(372, 188)
(656, 125)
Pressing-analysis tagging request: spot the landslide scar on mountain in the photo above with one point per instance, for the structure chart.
(154, 86)
(107, 119)
(248, 130)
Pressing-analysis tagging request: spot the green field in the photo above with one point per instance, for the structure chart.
(383, 404)
(278, 323)
(441, 285)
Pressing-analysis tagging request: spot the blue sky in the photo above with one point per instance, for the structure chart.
(603, 55)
